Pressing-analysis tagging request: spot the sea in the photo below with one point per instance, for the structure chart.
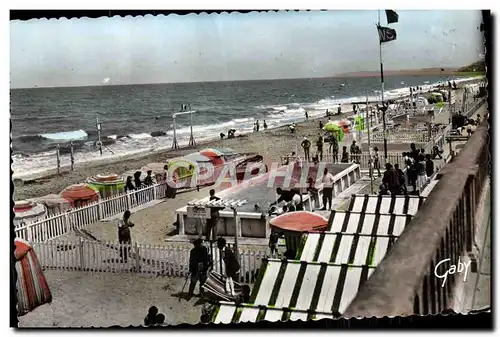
(138, 118)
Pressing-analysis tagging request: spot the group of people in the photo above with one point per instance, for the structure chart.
(419, 168)
(353, 155)
(153, 318)
(137, 183)
(200, 263)
(292, 199)
(256, 126)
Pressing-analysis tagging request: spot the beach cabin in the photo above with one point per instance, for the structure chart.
(54, 203)
(107, 185)
(31, 285)
(27, 211)
(80, 195)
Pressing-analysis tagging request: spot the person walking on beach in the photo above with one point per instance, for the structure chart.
(257, 126)
(137, 180)
(313, 191)
(355, 152)
(306, 145)
(429, 166)
(391, 179)
(265, 125)
(148, 181)
(334, 146)
(339, 110)
(231, 263)
(211, 229)
(129, 186)
(401, 177)
(376, 161)
(307, 115)
(345, 155)
(198, 266)
(320, 125)
(124, 237)
(319, 146)
(327, 189)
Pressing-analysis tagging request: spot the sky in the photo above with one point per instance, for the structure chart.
(222, 47)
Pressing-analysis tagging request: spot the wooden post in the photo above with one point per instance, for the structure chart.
(129, 202)
(80, 248)
(58, 160)
(268, 227)
(237, 233)
(137, 257)
(99, 209)
(72, 156)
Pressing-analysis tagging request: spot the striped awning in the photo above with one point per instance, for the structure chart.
(32, 287)
(326, 275)
(349, 222)
(386, 204)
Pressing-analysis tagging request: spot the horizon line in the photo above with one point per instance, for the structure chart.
(341, 75)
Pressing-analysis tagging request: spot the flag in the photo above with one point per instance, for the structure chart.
(392, 16)
(386, 34)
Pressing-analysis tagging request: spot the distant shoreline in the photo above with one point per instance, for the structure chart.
(410, 72)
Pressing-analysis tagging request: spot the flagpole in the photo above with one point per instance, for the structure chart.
(368, 116)
(384, 126)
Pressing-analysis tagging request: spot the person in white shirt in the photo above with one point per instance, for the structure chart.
(327, 189)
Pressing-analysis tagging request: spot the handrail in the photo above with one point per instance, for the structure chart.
(404, 282)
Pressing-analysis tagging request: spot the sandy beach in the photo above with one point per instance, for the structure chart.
(84, 299)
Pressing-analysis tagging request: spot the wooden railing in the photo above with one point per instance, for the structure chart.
(405, 282)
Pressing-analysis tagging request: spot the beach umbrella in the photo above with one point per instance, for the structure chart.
(215, 156)
(31, 285)
(54, 203)
(197, 157)
(293, 224)
(107, 185)
(225, 151)
(334, 128)
(80, 194)
(300, 221)
(28, 211)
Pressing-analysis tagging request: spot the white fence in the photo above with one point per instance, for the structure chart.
(60, 224)
(155, 260)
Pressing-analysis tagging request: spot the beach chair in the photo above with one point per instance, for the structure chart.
(215, 287)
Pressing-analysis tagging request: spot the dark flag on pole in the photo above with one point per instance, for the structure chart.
(392, 16)
(386, 34)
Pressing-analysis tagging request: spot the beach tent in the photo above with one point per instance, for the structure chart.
(32, 289)
(107, 185)
(216, 157)
(28, 212)
(80, 194)
(54, 203)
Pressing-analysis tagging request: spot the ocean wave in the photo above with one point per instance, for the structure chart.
(125, 143)
(65, 135)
